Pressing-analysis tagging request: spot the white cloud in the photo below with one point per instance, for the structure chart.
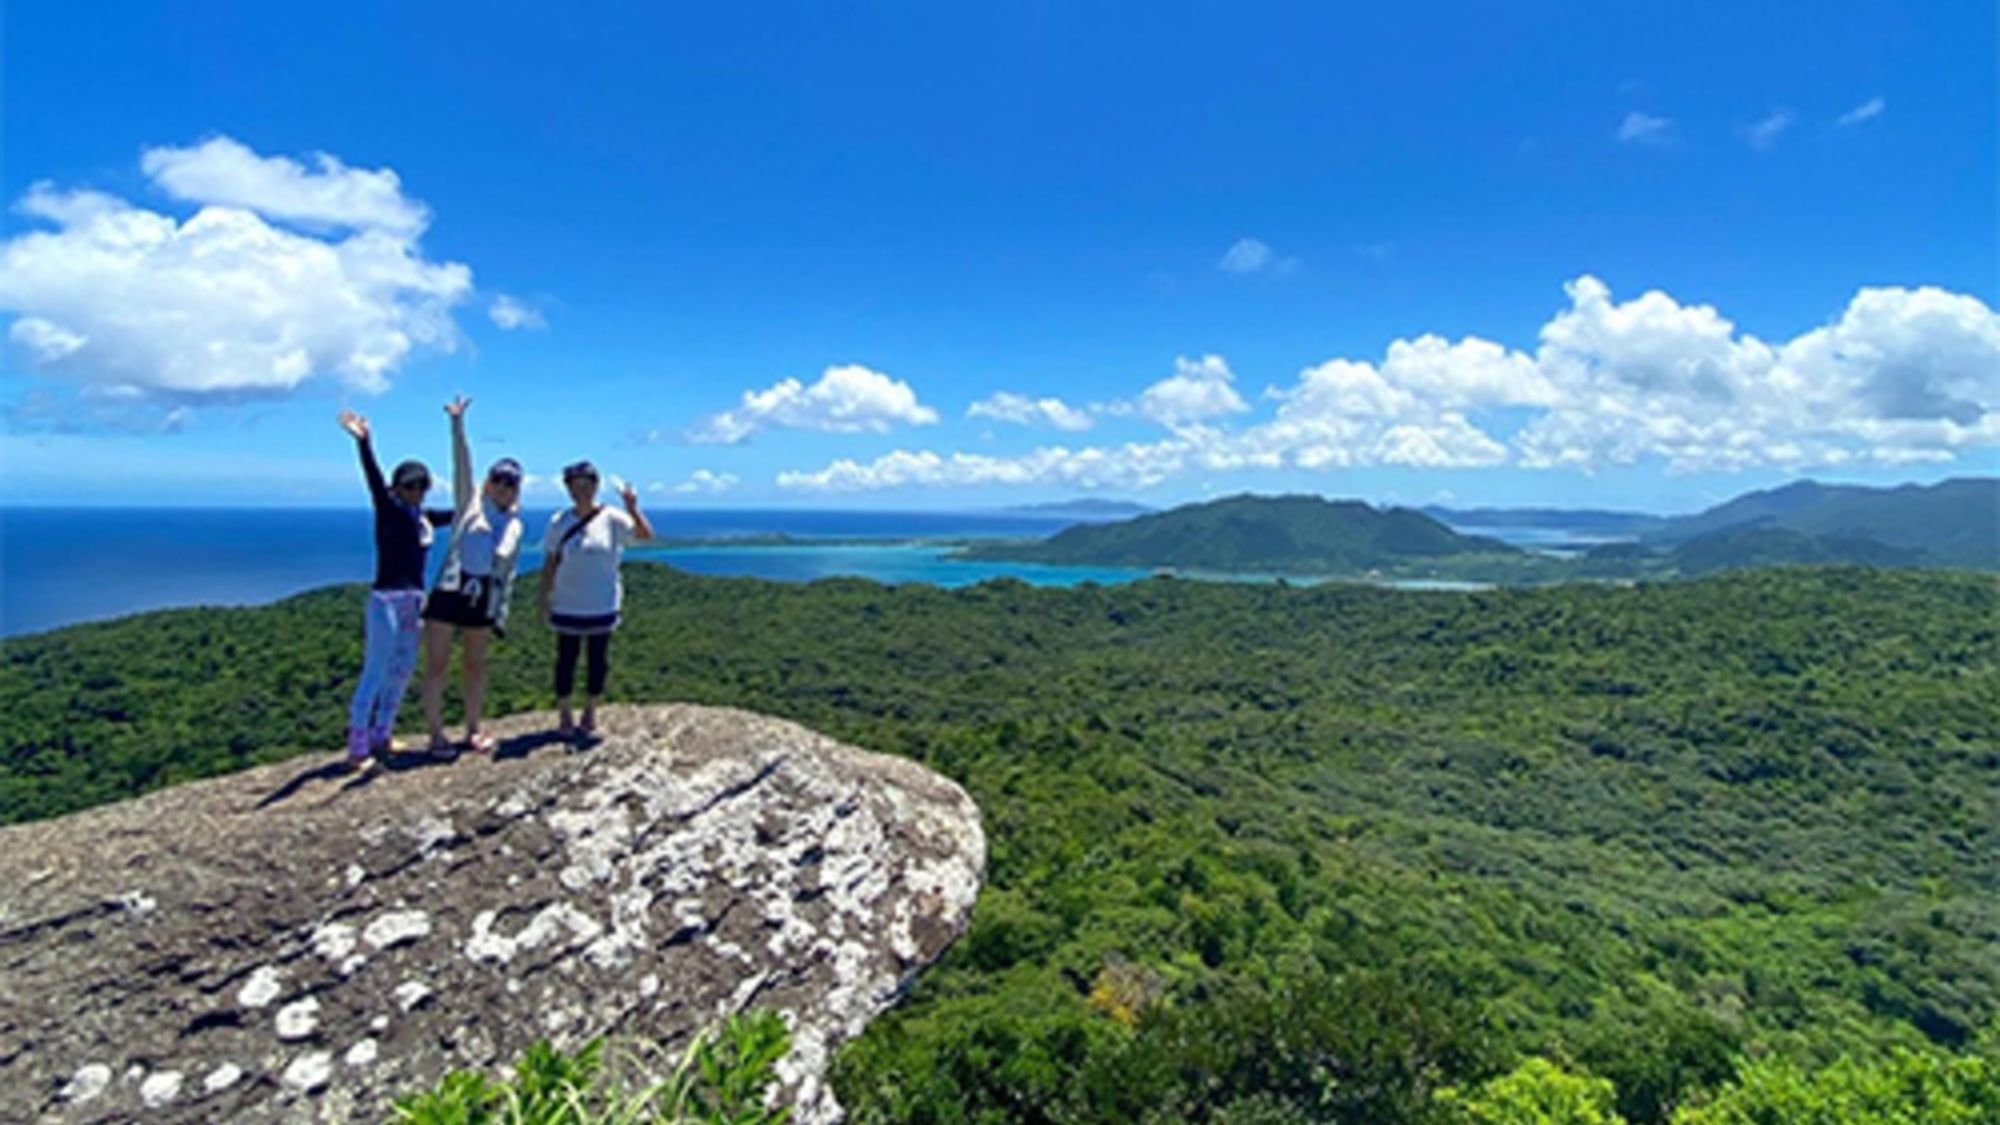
(1247, 255)
(1901, 376)
(1764, 133)
(126, 301)
(1644, 128)
(1198, 389)
(1006, 406)
(1866, 111)
(702, 480)
(510, 313)
(224, 172)
(846, 399)
(1253, 255)
(1130, 466)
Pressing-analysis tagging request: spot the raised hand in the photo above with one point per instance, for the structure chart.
(354, 424)
(457, 406)
(629, 494)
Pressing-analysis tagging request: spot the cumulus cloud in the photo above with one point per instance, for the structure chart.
(1198, 389)
(1021, 410)
(226, 173)
(1132, 465)
(511, 313)
(1764, 132)
(1900, 375)
(1866, 111)
(699, 481)
(845, 399)
(227, 303)
(1645, 129)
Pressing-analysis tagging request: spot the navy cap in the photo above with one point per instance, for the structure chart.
(409, 473)
(506, 470)
(579, 469)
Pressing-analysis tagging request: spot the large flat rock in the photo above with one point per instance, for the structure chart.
(289, 944)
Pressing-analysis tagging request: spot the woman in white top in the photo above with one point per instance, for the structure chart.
(581, 590)
(471, 591)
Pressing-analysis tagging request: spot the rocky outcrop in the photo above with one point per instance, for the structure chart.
(290, 944)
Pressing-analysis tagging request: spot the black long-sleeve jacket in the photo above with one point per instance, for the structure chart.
(402, 533)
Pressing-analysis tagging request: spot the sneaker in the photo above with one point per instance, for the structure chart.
(479, 743)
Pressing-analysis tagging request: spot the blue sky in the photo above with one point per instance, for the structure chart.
(1641, 256)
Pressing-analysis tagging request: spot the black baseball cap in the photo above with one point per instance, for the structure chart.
(409, 473)
(506, 471)
(579, 469)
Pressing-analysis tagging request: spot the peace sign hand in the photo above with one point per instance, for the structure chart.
(457, 406)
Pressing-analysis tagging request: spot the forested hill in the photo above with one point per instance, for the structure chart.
(1259, 534)
(1951, 523)
(1261, 854)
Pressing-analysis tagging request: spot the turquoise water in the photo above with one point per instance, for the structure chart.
(886, 562)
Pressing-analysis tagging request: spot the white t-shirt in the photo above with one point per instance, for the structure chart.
(587, 582)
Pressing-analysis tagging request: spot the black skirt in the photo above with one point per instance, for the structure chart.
(455, 607)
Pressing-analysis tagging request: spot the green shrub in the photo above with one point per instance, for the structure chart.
(1538, 1092)
(722, 1078)
(1906, 1088)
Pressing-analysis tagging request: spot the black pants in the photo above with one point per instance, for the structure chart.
(567, 647)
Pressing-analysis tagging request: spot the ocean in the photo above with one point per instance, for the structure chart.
(65, 566)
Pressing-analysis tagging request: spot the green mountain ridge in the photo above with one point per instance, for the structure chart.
(1952, 523)
(1267, 534)
(1955, 523)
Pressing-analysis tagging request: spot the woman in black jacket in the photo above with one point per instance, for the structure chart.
(402, 543)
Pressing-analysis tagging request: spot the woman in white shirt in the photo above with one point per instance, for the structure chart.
(470, 596)
(581, 591)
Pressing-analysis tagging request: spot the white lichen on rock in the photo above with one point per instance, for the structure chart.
(396, 927)
(160, 1088)
(298, 1019)
(310, 1071)
(89, 1081)
(264, 985)
(221, 1078)
(411, 993)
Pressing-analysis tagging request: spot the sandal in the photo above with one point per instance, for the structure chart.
(441, 750)
(481, 743)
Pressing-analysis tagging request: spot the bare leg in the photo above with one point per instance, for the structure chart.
(476, 641)
(437, 661)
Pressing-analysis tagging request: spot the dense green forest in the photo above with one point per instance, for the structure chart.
(1275, 854)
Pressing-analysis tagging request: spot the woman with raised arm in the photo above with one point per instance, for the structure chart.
(581, 591)
(471, 591)
(402, 544)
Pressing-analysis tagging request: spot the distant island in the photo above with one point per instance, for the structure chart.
(1954, 523)
(1087, 508)
(1281, 535)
